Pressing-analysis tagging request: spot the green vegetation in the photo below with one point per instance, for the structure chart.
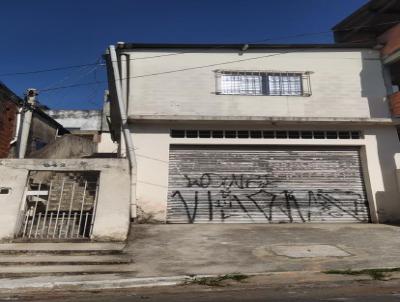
(216, 281)
(374, 273)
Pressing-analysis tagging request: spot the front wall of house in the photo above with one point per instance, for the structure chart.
(377, 149)
(344, 83)
(111, 214)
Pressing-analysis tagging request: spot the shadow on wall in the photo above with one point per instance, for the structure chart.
(388, 201)
(373, 86)
(68, 146)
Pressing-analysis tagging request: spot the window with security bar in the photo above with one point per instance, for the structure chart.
(263, 83)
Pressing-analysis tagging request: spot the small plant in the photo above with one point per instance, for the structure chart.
(376, 274)
(216, 281)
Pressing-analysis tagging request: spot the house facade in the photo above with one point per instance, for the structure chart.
(56, 186)
(256, 133)
(24, 127)
(89, 124)
(377, 22)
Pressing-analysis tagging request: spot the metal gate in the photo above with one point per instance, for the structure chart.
(59, 205)
(265, 184)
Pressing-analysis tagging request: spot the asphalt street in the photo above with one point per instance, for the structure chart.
(355, 291)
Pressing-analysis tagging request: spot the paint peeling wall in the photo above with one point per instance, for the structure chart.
(113, 205)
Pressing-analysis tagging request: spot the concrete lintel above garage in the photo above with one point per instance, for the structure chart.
(265, 119)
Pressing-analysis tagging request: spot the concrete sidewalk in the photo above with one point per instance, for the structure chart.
(168, 254)
(170, 250)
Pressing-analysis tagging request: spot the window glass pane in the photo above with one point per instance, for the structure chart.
(344, 135)
(319, 134)
(243, 134)
(191, 133)
(230, 134)
(269, 134)
(241, 84)
(294, 134)
(306, 134)
(177, 133)
(281, 134)
(331, 135)
(274, 82)
(355, 135)
(217, 134)
(204, 133)
(284, 84)
(255, 134)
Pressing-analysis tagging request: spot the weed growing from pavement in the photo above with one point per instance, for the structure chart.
(374, 273)
(216, 281)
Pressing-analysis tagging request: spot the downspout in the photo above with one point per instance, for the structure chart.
(18, 126)
(30, 103)
(26, 126)
(122, 101)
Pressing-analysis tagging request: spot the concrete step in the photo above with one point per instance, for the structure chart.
(39, 270)
(62, 247)
(40, 259)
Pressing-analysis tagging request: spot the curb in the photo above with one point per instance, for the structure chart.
(45, 283)
(115, 281)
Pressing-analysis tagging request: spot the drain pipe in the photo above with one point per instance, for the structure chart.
(30, 103)
(26, 126)
(18, 126)
(125, 128)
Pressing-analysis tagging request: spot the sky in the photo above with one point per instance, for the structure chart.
(47, 34)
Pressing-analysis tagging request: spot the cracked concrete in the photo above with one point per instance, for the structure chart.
(166, 250)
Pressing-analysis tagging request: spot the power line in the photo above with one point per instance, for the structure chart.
(48, 70)
(69, 76)
(181, 53)
(164, 72)
(271, 39)
(174, 71)
(72, 86)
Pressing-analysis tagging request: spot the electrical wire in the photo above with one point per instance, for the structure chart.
(68, 76)
(47, 70)
(174, 71)
(181, 53)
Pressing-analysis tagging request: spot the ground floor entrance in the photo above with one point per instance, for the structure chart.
(265, 184)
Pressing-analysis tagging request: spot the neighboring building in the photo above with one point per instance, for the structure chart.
(9, 110)
(89, 124)
(24, 127)
(59, 188)
(85, 123)
(257, 133)
(378, 22)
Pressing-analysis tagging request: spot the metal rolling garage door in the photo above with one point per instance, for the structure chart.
(252, 184)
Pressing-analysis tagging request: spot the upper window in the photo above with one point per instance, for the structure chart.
(263, 83)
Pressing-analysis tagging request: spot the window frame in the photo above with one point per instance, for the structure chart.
(305, 82)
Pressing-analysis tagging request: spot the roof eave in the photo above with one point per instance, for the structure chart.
(237, 46)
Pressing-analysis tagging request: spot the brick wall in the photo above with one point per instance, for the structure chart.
(8, 114)
(395, 104)
(391, 39)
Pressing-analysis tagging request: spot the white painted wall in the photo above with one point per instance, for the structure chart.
(378, 148)
(112, 216)
(345, 83)
(85, 120)
(106, 144)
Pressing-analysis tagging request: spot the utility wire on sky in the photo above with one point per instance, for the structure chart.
(181, 53)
